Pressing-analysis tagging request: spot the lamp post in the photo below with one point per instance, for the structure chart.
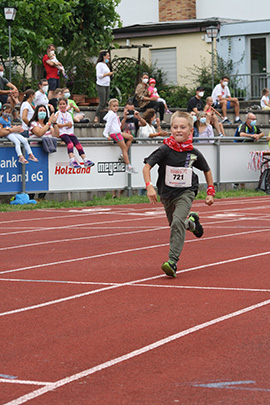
(212, 32)
(10, 13)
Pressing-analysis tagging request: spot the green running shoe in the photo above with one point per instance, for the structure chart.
(194, 217)
(169, 268)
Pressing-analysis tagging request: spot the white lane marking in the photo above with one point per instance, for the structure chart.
(57, 301)
(24, 382)
(133, 354)
(191, 287)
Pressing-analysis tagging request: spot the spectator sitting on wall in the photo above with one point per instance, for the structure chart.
(131, 121)
(222, 98)
(250, 129)
(143, 99)
(9, 96)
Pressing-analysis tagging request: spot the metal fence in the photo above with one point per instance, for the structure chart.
(249, 86)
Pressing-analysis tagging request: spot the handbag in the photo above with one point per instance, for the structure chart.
(49, 144)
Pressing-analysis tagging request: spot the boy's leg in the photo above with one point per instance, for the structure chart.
(177, 212)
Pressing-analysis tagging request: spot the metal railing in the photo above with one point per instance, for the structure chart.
(249, 86)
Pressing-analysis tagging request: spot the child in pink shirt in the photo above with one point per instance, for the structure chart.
(152, 92)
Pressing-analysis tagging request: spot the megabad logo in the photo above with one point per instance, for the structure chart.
(63, 168)
(111, 167)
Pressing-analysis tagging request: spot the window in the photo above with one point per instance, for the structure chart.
(165, 59)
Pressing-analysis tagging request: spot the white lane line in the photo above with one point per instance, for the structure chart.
(83, 238)
(130, 250)
(133, 354)
(60, 300)
(24, 382)
(191, 287)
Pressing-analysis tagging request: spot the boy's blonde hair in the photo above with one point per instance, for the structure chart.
(182, 114)
(113, 100)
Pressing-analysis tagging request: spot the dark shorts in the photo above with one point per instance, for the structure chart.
(3, 98)
(53, 84)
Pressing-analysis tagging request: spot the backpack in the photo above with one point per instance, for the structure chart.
(264, 180)
(237, 133)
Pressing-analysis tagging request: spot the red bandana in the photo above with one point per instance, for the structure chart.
(179, 147)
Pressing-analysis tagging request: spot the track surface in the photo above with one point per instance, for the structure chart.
(88, 317)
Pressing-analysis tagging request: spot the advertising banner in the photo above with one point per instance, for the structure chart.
(36, 174)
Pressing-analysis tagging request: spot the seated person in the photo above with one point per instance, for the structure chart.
(222, 98)
(250, 128)
(131, 121)
(265, 104)
(204, 129)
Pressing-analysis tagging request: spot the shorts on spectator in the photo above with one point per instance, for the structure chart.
(117, 137)
(3, 98)
(53, 84)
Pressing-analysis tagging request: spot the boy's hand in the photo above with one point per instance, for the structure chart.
(209, 200)
(152, 195)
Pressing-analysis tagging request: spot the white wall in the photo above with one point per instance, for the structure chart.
(236, 9)
(138, 11)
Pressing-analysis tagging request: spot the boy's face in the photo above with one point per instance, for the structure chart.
(180, 129)
(114, 106)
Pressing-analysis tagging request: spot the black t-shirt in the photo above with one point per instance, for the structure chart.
(253, 130)
(131, 125)
(194, 102)
(166, 157)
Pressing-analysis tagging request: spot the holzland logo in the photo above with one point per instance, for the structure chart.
(63, 168)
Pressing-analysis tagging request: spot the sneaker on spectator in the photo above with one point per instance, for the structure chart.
(131, 170)
(74, 164)
(226, 121)
(168, 112)
(238, 121)
(120, 159)
(169, 268)
(88, 163)
(84, 120)
(194, 217)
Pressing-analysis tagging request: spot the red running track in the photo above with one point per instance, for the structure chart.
(88, 317)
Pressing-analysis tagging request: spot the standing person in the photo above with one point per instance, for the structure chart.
(27, 110)
(9, 96)
(112, 131)
(66, 132)
(51, 71)
(13, 134)
(178, 184)
(143, 99)
(41, 96)
(221, 96)
(103, 75)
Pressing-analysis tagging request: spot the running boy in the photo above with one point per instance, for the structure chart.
(178, 185)
(112, 131)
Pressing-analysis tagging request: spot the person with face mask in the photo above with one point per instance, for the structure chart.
(41, 96)
(143, 99)
(195, 103)
(204, 129)
(222, 99)
(250, 129)
(9, 96)
(103, 81)
(73, 109)
(52, 72)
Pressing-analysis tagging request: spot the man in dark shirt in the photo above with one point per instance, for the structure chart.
(250, 128)
(195, 103)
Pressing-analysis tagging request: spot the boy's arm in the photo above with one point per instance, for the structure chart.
(151, 193)
(210, 189)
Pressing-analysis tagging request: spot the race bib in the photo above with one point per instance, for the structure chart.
(178, 176)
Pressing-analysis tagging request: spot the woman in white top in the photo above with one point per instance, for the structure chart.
(103, 74)
(204, 130)
(41, 96)
(27, 111)
(149, 131)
